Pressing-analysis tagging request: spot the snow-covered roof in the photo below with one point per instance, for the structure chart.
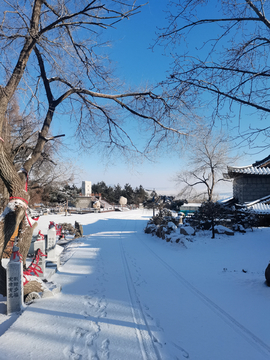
(250, 170)
(261, 167)
(104, 203)
(261, 200)
(260, 208)
(225, 200)
(263, 162)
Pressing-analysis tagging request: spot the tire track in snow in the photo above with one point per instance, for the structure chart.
(169, 351)
(174, 351)
(144, 334)
(231, 321)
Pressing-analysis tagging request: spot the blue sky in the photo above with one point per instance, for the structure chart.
(137, 65)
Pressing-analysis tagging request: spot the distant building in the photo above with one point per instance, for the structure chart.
(86, 188)
(189, 208)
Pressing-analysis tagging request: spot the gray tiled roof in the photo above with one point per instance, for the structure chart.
(260, 208)
(250, 170)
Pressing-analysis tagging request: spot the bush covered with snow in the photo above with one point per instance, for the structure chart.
(166, 226)
(214, 214)
(150, 228)
(211, 216)
(187, 230)
(220, 229)
(171, 226)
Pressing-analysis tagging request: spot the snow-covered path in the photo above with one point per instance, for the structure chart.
(129, 296)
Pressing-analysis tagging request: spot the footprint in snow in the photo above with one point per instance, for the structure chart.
(70, 354)
(79, 332)
(105, 349)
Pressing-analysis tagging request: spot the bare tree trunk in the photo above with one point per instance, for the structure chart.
(4, 196)
(13, 216)
(24, 239)
(8, 224)
(14, 213)
(213, 227)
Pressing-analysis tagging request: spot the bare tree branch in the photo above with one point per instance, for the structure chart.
(228, 69)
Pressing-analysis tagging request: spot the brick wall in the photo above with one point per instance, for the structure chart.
(250, 188)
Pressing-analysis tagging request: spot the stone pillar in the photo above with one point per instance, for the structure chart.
(39, 244)
(51, 241)
(14, 282)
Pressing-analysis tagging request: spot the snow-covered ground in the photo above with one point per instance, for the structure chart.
(127, 295)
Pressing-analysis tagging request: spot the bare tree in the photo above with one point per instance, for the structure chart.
(20, 135)
(221, 58)
(51, 54)
(207, 159)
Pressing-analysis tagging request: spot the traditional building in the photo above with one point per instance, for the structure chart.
(252, 182)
